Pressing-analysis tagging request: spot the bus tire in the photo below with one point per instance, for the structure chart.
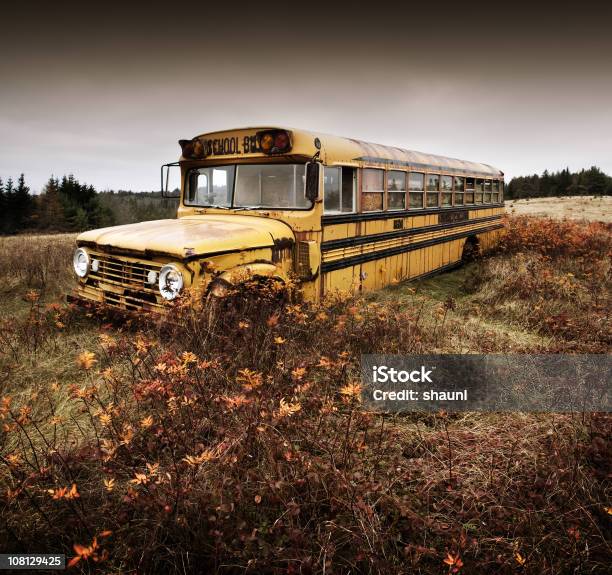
(471, 249)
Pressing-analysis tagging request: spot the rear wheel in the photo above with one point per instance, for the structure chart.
(471, 249)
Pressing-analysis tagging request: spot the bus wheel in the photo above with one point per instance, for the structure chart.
(471, 250)
(258, 289)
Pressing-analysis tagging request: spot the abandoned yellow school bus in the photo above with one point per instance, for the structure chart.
(272, 203)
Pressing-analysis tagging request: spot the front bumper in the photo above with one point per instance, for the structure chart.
(111, 296)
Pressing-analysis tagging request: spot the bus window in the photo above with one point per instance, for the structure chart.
(211, 186)
(495, 191)
(459, 186)
(331, 189)
(478, 194)
(339, 190)
(487, 191)
(348, 186)
(446, 185)
(469, 190)
(433, 185)
(373, 190)
(270, 186)
(396, 190)
(416, 185)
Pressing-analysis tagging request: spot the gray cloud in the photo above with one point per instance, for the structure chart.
(106, 93)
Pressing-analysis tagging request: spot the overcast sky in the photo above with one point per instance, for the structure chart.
(106, 92)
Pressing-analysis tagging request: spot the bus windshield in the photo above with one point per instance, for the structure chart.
(244, 186)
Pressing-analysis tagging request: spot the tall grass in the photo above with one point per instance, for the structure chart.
(41, 262)
(557, 282)
(231, 438)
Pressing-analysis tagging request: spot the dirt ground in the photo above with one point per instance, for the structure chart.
(592, 208)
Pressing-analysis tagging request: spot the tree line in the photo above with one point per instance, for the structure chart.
(591, 182)
(66, 205)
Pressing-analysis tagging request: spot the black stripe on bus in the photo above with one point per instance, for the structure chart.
(380, 254)
(366, 239)
(429, 167)
(366, 216)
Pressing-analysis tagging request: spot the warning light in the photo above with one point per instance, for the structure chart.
(192, 149)
(274, 141)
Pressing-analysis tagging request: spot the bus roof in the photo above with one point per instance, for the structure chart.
(339, 150)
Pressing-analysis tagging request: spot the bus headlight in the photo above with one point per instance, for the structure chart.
(170, 281)
(80, 262)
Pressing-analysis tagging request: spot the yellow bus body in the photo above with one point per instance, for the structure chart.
(354, 250)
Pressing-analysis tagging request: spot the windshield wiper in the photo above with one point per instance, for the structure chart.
(219, 207)
(248, 208)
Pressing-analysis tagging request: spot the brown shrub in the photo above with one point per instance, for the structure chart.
(36, 262)
(557, 281)
(236, 443)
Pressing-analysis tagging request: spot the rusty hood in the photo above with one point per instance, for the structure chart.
(191, 236)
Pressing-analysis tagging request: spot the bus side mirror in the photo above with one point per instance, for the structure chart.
(311, 191)
(171, 181)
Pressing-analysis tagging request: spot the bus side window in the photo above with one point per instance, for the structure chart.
(416, 185)
(495, 194)
(433, 186)
(446, 185)
(347, 197)
(372, 189)
(487, 191)
(469, 190)
(339, 189)
(479, 188)
(331, 189)
(459, 187)
(396, 190)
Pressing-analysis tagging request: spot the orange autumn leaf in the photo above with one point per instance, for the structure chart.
(287, 409)
(86, 360)
(454, 562)
(352, 390)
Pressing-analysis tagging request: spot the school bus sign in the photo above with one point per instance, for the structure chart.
(259, 142)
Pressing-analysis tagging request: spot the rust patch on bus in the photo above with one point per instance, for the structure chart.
(282, 249)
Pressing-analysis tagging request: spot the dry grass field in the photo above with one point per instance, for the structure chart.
(590, 208)
(232, 439)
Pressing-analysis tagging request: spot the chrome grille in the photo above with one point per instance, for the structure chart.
(130, 301)
(125, 273)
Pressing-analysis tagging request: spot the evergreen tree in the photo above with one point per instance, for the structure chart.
(564, 179)
(52, 216)
(595, 181)
(546, 185)
(22, 205)
(3, 207)
(82, 207)
(9, 202)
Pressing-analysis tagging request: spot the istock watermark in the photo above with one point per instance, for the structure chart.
(518, 382)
